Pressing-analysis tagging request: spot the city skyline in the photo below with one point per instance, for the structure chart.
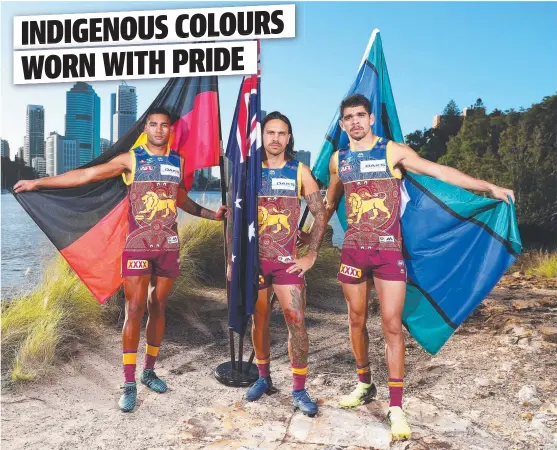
(442, 56)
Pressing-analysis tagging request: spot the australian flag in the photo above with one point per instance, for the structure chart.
(244, 153)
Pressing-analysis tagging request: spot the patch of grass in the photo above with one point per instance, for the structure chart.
(202, 253)
(202, 263)
(45, 325)
(540, 263)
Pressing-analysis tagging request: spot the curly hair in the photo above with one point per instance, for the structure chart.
(355, 100)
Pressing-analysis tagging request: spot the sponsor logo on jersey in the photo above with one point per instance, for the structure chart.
(146, 168)
(384, 239)
(167, 169)
(350, 271)
(346, 168)
(172, 240)
(379, 165)
(285, 259)
(138, 264)
(283, 183)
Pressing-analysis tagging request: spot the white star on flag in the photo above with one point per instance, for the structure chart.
(237, 202)
(233, 258)
(251, 231)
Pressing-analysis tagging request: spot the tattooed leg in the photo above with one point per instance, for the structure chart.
(292, 299)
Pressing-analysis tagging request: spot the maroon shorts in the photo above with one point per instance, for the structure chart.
(357, 266)
(162, 263)
(274, 272)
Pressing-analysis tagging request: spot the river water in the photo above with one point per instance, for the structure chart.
(26, 251)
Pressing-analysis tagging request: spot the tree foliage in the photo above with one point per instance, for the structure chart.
(515, 149)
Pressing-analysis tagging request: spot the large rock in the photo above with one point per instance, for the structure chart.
(333, 426)
(429, 416)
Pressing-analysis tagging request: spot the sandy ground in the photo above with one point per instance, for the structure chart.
(466, 397)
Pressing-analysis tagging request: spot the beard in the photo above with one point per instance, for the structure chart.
(275, 151)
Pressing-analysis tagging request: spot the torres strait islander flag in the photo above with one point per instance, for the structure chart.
(89, 224)
(456, 245)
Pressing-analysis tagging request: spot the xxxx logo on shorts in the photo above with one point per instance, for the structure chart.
(138, 264)
(350, 271)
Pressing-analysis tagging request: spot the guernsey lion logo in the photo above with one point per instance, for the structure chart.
(266, 219)
(154, 204)
(363, 205)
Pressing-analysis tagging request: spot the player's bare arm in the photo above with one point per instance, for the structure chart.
(185, 203)
(408, 159)
(113, 168)
(332, 197)
(312, 196)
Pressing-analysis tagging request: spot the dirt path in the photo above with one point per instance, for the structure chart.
(467, 397)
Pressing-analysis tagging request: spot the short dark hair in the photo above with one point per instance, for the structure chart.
(353, 101)
(277, 115)
(158, 110)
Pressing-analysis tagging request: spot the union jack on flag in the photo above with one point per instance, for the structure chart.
(244, 152)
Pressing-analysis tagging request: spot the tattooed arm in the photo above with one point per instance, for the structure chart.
(188, 205)
(312, 195)
(334, 193)
(317, 209)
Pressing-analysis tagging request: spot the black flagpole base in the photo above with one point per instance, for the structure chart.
(230, 376)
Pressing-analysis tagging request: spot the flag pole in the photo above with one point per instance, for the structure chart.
(224, 201)
(230, 373)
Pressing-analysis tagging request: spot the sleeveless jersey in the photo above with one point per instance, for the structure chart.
(372, 191)
(279, 211)
(153, 191)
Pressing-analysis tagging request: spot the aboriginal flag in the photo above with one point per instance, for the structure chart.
(88, 224)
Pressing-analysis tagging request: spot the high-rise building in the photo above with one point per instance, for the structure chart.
(125, 115)
(203, 174)
(4, 148)
(304, 157)
(105, 145)
(62, 154)
(83, 120)
(112, 112)
(39, 164)
(52, 144)
(34, 133)
(20, 153)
